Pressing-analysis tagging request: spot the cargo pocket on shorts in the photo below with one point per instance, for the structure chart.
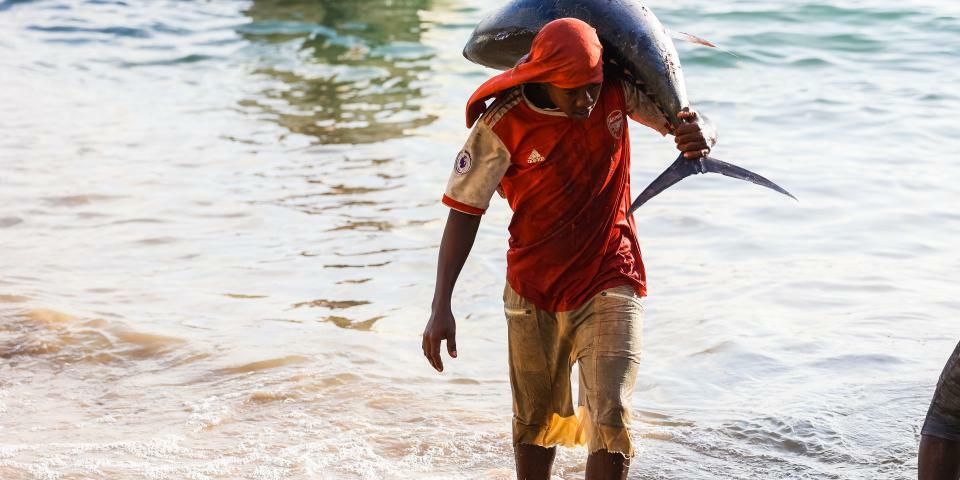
(621, 294)
(524, 338)
(618, 324)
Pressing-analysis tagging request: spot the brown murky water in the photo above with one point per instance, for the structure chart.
(219, 224)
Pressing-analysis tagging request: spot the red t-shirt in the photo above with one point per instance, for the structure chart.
(568, 184)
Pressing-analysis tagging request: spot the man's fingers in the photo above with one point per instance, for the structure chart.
(425, 345)
(686, 114)
(433, 335)
(429, 349)
(689, 139)
(435, 354)
(688, 130)
(691, 146)
(452, 345)
(437, 361)
(692, 142)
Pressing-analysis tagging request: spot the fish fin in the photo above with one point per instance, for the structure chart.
(687, 37)
(711, 164)
(681, 168)
(692, 38)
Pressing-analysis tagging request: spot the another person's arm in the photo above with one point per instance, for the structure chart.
(458, 237)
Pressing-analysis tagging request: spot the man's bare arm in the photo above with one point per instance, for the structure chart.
(458, 237)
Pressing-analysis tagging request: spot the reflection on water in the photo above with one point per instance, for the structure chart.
(344, 322)
(357, 72)
(337, 304)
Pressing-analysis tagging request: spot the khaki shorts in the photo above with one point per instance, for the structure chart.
(943, 417)
(603, 336)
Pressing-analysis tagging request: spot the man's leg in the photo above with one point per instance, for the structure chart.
(534, 462)
(603, 465)
(939, 458)
(609, 354)
(543, 413)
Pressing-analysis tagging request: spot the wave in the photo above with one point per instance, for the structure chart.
(60, 338)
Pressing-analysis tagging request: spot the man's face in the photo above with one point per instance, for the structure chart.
(575, 102)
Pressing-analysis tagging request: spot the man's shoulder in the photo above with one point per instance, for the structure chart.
(504, 103)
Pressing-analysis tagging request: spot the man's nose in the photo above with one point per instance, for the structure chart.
(584, 100)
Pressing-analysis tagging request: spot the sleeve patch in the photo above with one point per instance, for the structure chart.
(464, 162)
(477, 170)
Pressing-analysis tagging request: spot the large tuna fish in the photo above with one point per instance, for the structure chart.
(633, 39)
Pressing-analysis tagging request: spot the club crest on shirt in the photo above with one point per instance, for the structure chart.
(463, 163)
(615, 123)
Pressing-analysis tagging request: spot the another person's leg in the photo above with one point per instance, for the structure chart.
(608, 346)
(939, 456)
(939, 459)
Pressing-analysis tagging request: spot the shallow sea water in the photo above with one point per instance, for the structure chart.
(219, 224)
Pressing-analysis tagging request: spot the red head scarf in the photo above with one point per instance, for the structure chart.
(566, 53)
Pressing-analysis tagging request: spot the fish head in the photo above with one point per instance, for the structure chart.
(502, 38)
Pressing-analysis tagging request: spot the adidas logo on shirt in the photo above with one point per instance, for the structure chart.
(535, 157)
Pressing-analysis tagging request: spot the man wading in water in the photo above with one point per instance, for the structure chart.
(555, 144)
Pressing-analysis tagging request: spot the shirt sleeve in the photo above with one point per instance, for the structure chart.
(477, 171)
(642, 109)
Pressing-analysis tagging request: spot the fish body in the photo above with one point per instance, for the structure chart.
(635, 43)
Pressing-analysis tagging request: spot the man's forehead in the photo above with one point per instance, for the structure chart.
(579, 87)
